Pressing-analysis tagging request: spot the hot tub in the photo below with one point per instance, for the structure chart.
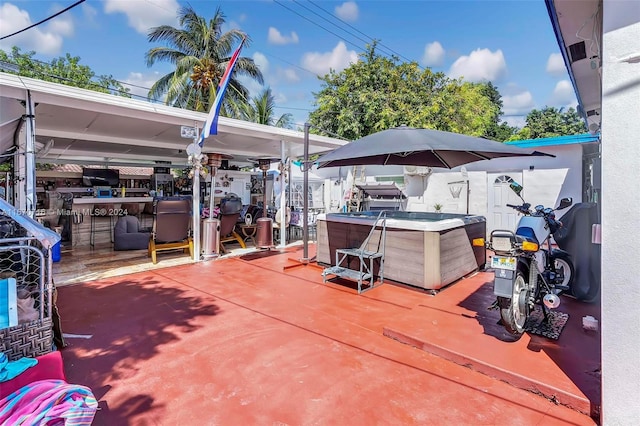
(426, 250)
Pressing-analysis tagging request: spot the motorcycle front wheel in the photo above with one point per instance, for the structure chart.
(515, 310)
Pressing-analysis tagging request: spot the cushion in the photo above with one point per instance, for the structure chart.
(49, 366)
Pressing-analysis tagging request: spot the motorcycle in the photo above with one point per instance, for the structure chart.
(528, 270)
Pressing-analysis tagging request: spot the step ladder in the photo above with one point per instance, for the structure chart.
(366, 258)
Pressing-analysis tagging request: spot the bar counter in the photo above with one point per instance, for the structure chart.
(83, 208)
(111, 200)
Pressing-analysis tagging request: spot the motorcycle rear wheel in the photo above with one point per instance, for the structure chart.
(563, 261)
(515, 310)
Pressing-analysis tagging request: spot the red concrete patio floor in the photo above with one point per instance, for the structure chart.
(261, 341)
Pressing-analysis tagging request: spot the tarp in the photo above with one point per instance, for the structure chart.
(46, 236)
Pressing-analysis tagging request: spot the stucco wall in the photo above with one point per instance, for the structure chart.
(551, 179)
(620, 218)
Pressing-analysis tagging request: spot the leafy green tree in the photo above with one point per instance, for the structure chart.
(378, 93)
(261, 109)
(550, 122)
(64, 69)
(200, 52)
(496, 131)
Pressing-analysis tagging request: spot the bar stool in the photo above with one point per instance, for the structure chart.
(101, 210)
(130, 209)
(147, 211)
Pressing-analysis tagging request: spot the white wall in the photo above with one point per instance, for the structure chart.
(620, 217)
(550, 180)
(237, 182)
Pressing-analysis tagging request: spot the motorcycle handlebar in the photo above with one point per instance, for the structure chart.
(524, 209)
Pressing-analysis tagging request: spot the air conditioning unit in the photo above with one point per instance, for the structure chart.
(417, 171)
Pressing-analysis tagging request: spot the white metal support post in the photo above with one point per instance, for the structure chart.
(283, 196)
(25, 162)
(30, 156)
(196, 201)
(305, 194)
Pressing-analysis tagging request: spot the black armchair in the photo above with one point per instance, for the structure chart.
(171, 226)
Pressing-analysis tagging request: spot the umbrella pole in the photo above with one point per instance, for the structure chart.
(468, 190)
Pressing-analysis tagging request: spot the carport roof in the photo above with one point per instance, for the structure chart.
(90, 127)
(558, 140)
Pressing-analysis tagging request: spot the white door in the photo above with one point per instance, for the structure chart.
(499, 216)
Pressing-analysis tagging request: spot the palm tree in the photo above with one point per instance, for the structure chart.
(260, 109)
(200, 52)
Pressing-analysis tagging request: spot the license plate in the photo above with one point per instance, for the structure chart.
(499, 262)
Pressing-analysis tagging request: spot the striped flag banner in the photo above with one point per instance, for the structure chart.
(211, 124)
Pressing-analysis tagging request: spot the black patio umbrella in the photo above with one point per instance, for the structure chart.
(408, 146)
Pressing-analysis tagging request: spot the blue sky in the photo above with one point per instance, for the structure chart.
(510, 43)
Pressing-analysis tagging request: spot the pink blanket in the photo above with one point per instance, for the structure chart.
(49, 402)
(49, 367)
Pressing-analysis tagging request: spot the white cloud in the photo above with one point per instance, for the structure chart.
(517, 104)
(275, 37)
(142, 15)
(279, 98)
(338, 59)
(251, 85)
(555, 65)
(289, 75)
(139, 83)
(433, 55)
(480, 65)
(44, 40)
(89, 12)
(347, 11)
(61, 25)
(563, 94)
(262, 62)
(230, 25)
(277, 75)
(518, 121)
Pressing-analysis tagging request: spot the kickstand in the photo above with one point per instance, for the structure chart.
(544, 313)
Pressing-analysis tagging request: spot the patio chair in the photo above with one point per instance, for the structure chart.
(230, 209)
(227, 230)
(171, 226)
(278, 226)
(295, 225)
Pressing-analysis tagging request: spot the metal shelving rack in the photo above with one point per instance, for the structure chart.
(26, 262)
